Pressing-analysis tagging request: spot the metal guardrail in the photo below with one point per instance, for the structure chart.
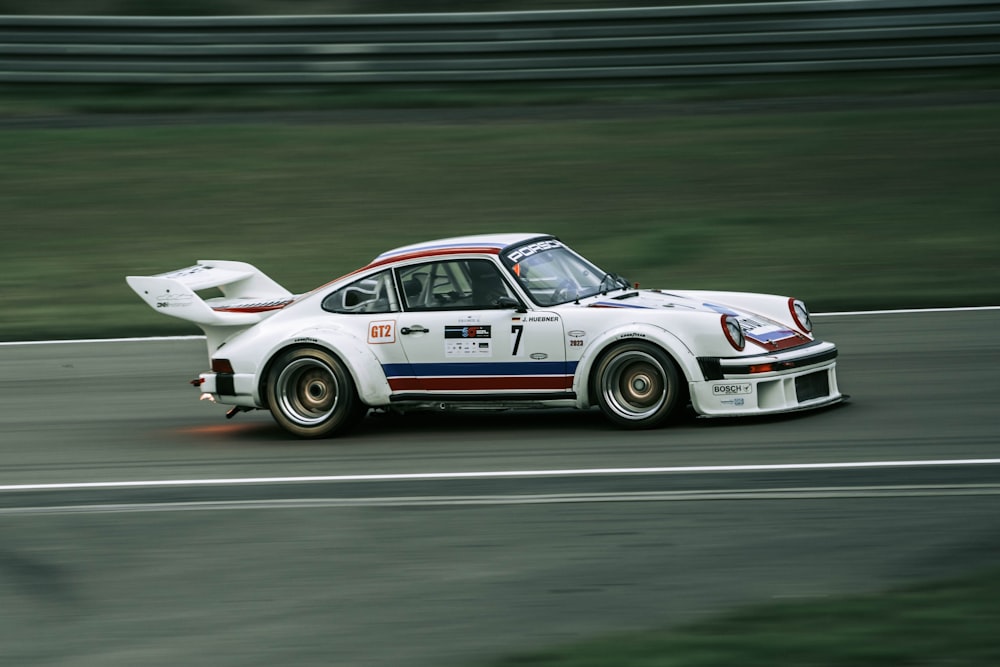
(776, 37)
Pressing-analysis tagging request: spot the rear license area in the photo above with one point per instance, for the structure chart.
(812, 385)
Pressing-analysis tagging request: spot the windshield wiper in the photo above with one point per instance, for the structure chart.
(613, 280)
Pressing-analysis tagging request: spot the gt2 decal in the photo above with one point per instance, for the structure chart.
(382, 331)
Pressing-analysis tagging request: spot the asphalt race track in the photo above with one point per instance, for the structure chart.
(139, 526)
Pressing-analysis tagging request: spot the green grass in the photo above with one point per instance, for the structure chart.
(949, 623)
(889, 206)
(21, 100)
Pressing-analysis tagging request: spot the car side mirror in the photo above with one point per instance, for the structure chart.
(508, 303)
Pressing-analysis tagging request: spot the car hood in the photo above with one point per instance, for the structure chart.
(767, 332)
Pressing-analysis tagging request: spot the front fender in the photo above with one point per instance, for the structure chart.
(669, 342)
(361, 363)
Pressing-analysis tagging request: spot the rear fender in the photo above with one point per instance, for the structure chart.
(357, 357)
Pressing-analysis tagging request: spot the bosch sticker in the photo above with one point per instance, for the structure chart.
(732, 389)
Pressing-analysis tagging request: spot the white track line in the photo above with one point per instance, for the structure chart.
(146, 339)
(907, 311)
(846, 313)
(499, 474)
(818, 493)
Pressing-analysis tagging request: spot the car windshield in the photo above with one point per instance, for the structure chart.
(552, 274)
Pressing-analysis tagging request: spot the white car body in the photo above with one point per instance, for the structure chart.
(406, 332)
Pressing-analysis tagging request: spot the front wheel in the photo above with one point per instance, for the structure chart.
(311, 394)
(637, 385)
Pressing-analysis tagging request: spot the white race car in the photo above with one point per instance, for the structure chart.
(492, 321)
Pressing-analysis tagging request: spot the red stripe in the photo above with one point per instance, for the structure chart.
(251, 309)
(417, 254)
(478, 383)
(405, 384)
(782, 344)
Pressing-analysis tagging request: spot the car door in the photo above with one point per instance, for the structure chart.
(464, 345)
(369, 307)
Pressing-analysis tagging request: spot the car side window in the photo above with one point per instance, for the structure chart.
(372, 294)
(452, 285)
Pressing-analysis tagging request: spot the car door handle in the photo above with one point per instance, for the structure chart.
(416, 328)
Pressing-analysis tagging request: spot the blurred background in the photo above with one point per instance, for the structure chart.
(844, 152)
(845, 155)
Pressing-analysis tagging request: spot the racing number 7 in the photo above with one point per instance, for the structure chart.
(516, 330)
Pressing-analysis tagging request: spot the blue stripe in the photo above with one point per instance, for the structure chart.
(767, 337)
(499, 368)
(722, 310)
(608, 304)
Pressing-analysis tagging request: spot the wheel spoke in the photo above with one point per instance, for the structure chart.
(307, 391)
(634, 385)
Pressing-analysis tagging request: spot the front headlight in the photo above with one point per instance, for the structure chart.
(734, 332)
(800, 315)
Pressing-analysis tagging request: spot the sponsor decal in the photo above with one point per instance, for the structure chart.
(524, 251)
(305, 339)
(468, 331)
(538, 356)
(467, 348)
(735, 402)
(381, 332)
(576, 333)
(732, 388)
(168, 300)
(184, 273)
(632, 334)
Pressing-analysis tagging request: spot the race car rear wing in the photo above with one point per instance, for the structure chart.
(248, 295)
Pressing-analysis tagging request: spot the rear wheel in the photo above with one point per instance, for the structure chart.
(637, 385)
(311, 394)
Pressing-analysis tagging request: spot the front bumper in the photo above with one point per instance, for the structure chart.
(801, 378)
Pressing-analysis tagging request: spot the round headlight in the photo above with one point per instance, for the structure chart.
(800, 315)
(734, 332)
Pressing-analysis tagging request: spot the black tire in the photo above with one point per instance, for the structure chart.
(637, 385)
(312, 395)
